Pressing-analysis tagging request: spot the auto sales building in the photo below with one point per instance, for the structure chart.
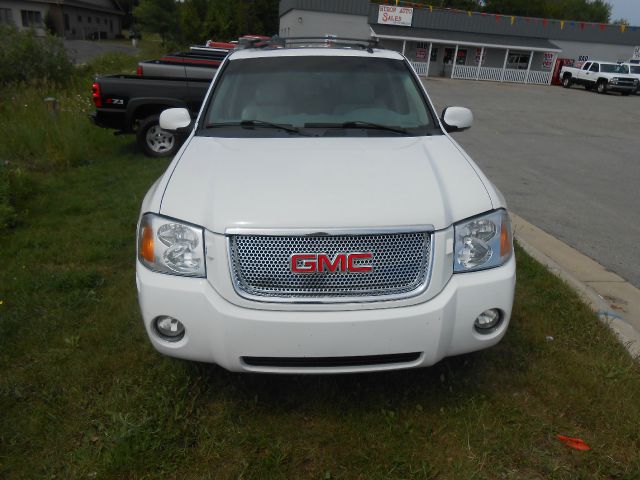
(463, 44)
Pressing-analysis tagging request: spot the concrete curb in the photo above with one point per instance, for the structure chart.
(613, 299)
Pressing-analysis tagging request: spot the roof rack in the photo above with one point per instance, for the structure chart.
(328, 41)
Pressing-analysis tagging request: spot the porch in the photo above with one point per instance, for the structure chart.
(472, 56)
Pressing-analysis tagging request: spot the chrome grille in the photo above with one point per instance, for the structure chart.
(261, 267)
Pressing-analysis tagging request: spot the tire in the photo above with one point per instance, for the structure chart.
(625, 94)
(153, 141)
(588, 87)
(602, 87)
(566, 81)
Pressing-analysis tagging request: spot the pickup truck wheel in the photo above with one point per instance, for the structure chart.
(602, 87)
(153, 141)
(566, 81)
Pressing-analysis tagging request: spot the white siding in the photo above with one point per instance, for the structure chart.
(599, 51)
(305, 23)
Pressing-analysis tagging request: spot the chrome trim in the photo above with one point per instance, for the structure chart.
(333, 300)
(320, 232)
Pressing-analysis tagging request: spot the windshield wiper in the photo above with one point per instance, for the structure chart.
(257, 123)
(360, 124)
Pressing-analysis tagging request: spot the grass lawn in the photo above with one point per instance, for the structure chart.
(84, 395)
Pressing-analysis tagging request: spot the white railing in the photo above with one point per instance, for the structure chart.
(466, 72)
(514, 75)
(490, 73)
(493, 74)
(539, 78)
(422, 68)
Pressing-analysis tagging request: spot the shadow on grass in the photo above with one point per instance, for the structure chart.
(450, 381)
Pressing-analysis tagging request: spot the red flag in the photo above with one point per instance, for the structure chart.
(545, 22)
(581, 25)
(602, 27)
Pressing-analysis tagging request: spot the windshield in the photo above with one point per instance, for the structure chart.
(317, 95)
(613, 68)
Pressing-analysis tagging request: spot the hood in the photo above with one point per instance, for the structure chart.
(222, 183)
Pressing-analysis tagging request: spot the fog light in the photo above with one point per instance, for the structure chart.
(488, 320)
(169, 328)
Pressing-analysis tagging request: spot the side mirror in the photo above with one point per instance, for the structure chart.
(175, 120)
(456, 119)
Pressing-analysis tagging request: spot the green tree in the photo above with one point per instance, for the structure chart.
(159, 16)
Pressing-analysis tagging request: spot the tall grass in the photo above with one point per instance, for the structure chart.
(34, 139)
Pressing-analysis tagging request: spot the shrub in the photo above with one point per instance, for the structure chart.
(25, 58)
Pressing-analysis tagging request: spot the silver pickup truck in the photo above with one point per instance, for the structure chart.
(603, 76)
(199, 63)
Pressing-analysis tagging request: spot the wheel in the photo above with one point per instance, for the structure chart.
(602, 87)
(153, 141)
(588, 87)
(625, 94)
(566, 81)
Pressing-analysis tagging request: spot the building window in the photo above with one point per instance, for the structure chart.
(422, 49)
(434, 54)
(462, 57)
(67, 25)
(31, 18)
(105, 21)
(88, 19)
(111, 25)
(518, 61)
(79, 18)
(6, 16)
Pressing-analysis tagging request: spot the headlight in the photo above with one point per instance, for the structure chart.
(482, 242)
(169, 246)
(614, 80)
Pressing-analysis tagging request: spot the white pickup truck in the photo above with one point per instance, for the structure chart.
(603, 76)
(634, 71)
(321, 219)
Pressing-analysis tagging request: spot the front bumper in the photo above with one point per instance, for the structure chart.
(220, 332)
(614, 87)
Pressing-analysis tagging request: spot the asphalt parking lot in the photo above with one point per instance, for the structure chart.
(567, 161)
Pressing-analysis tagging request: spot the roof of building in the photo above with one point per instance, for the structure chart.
(464, 38)
(105, 6)
(350, 7)
(480, 23)
(477, 23)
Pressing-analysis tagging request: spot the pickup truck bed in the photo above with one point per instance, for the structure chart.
(132, 104)
(196, 64)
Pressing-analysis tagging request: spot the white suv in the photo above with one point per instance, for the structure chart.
(320, 219)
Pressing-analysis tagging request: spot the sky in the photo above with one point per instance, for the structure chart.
(629, 9)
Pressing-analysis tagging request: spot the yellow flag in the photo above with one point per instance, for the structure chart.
(513, 19)
(623, 27)
(561, 24)
(431, 8)
(469, 12)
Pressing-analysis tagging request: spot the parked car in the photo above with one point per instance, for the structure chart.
(634, 71)
(603, 76)
(132, 104)
(316, 221)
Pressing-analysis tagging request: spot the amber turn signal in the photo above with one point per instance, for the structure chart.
(505, 238)
(146, 244)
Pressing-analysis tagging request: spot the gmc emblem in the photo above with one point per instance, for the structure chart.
(320, 262)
